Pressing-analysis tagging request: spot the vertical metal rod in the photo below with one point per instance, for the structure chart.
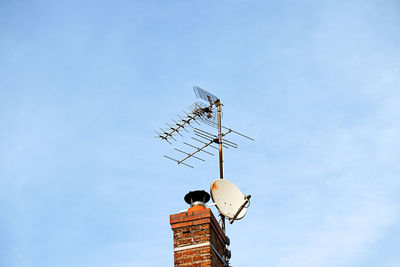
(221, 161)
(221, 167)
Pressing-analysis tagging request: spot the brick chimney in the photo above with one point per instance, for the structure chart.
(198, 238)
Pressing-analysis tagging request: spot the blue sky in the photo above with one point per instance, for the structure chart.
(83, 84)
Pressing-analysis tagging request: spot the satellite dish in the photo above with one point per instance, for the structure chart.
(229, 200)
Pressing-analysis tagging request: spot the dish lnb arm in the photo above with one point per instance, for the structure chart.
(246, 201)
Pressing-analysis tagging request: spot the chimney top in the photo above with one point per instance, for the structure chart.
(197, 198)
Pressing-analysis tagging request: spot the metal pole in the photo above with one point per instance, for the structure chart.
(221, 161)
(221, 167)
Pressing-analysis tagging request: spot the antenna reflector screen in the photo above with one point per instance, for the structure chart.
(203, 94)
(228, 198)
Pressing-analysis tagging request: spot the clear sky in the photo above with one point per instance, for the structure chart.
(83, 85)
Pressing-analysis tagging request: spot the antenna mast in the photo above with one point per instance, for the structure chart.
(221, 161)
(211, 115)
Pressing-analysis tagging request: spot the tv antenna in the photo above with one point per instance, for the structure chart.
(229, 200)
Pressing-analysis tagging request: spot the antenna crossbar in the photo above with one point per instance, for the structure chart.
(205, 133)
(191, 155)
(178, 161)
(214, 124)
(196, 151)
(204, 143)
(229, 143)
(212, 140)
(205, 151)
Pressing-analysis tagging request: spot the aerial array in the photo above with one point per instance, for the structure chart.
(229, 200)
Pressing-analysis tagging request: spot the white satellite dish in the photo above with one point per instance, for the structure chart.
(229, 200)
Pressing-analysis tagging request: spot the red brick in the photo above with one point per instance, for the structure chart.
(195, 228)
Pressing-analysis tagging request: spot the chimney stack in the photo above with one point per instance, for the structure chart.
(198, 238)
